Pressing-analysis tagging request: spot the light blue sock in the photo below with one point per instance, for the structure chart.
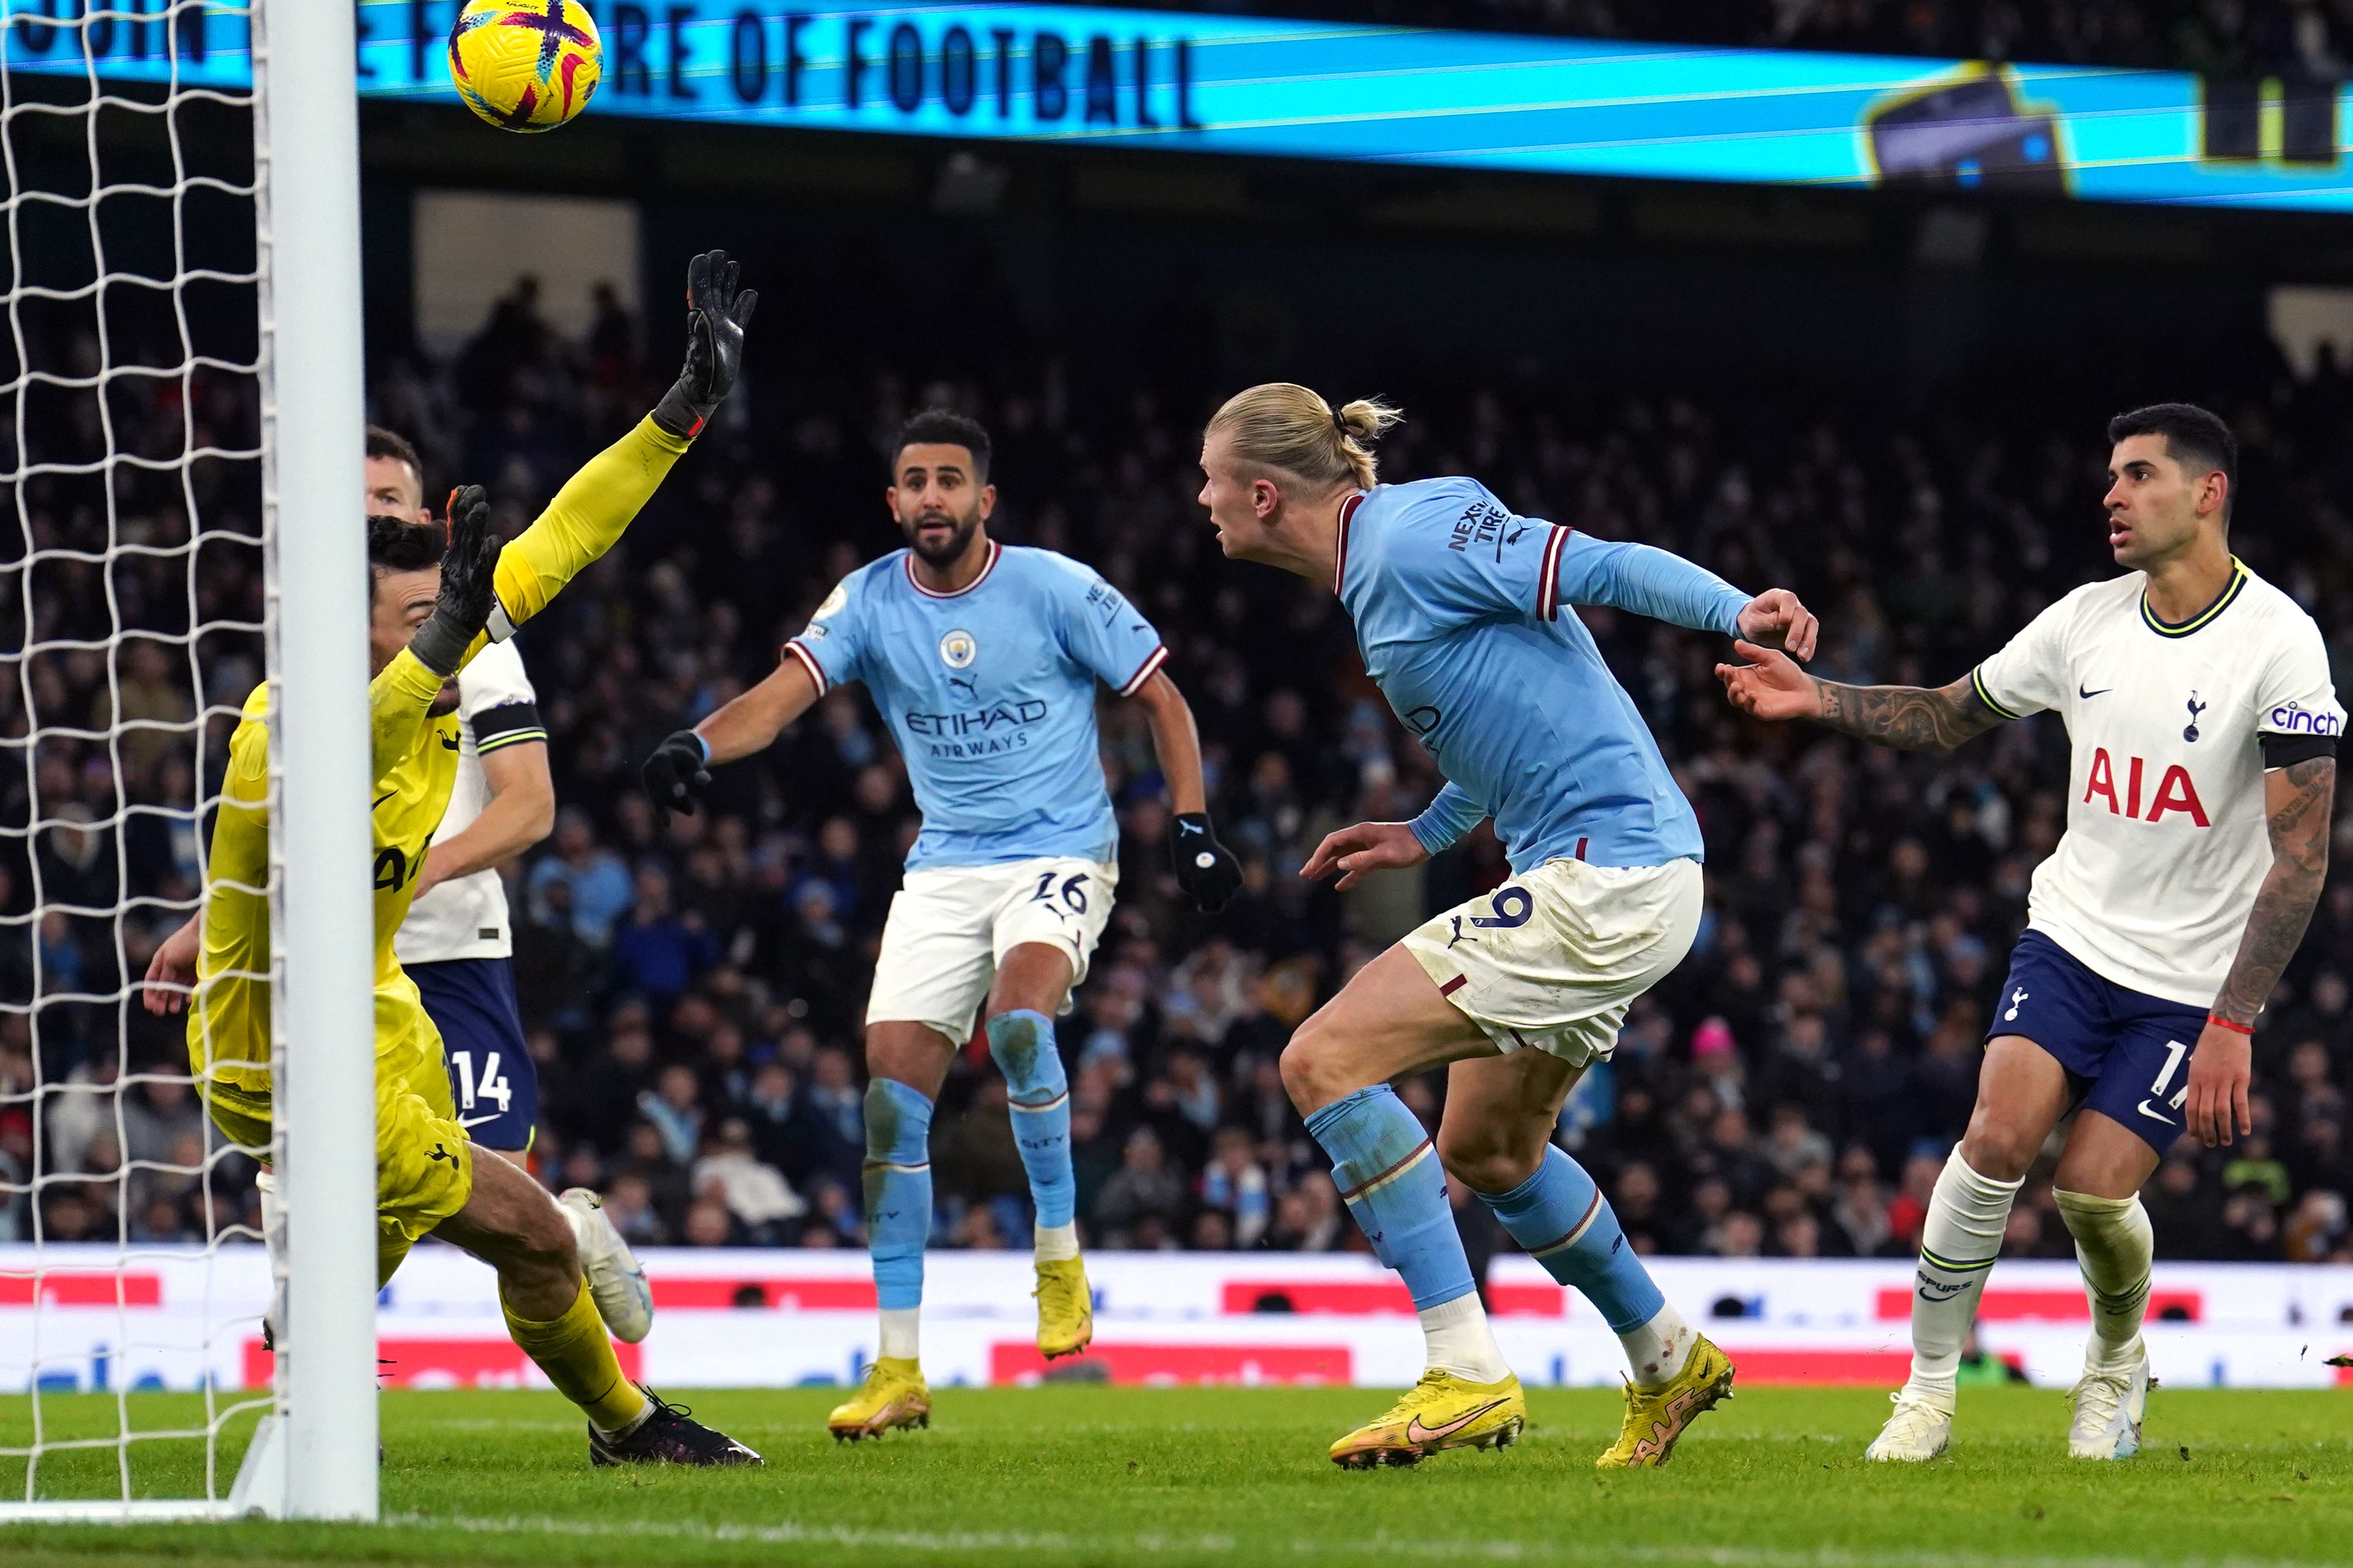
(898, 1190)
(1566, 1224)
(1023, 1044)
(1389, 1177)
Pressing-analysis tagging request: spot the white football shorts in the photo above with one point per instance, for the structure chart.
(951, 926)
(1551, 960)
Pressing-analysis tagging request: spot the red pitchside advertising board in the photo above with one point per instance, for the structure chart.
(170, 1318)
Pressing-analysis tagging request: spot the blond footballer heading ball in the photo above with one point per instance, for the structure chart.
(525, 64)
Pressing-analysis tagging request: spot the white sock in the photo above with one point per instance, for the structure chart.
(273, 1236)
(900, 1334)
(1657, 1351)
(2113, 1246)
(644, 1414)
(1456, 1339)
(1055, 1243)
(1957, 1246)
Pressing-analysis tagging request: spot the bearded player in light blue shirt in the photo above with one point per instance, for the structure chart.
(984, 661)
(1461, 611)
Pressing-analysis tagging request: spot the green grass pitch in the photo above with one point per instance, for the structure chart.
(1099, 1475)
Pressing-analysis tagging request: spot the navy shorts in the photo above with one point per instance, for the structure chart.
(2126, 1053)
(472, 1001)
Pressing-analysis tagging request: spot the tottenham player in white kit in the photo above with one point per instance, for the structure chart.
(2205, 729)
(984, 661)
(457, 943)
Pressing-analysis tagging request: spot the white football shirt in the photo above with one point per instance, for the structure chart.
(466, 916)
(2166, 840)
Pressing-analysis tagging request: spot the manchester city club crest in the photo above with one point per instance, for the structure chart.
(957, 650)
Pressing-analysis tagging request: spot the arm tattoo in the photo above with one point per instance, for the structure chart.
(1908, 718)
(2299, 834)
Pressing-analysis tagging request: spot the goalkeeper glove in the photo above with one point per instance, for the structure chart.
(680, 766)
(469, 577)
(716, 317)
(1206, 868)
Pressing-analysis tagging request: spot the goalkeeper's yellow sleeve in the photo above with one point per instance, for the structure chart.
(400, 701)
(585, 519)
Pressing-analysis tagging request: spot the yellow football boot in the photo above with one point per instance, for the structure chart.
(1066, 1309)
(1656, 1417)
(1443, 1411)
(892, 1397)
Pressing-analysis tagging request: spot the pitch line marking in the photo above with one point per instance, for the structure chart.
(788, 1534)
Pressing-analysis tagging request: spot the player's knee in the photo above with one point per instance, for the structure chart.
(1486, 1159)
(1999, 1150)
(1311, 1070)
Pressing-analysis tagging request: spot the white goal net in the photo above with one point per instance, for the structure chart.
(141, 598)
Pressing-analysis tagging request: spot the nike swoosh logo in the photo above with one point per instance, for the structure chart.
(1415, 1432)
(2087, 696)
(2153, 1116)
(478, 1120)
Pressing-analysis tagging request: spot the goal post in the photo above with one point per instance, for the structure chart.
(306, 141)
(182, 412)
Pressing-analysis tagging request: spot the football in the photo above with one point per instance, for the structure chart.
(525, 64)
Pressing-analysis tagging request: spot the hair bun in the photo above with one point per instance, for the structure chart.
(1365, 419)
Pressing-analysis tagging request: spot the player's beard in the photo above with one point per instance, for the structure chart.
(444, 701)
(941, 550)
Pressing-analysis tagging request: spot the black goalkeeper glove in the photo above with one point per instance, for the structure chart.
(716, 318)
(1206, 868)
(468, 576)
(680, 766)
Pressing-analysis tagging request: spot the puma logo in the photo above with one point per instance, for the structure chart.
(1415, 1432)
(1458, 935)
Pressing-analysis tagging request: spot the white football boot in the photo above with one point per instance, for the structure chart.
(2108, 1410)
(616, 1282)
(1917, 1432)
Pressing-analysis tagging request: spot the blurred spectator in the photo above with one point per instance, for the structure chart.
(753, 1193)
(1143, 1197)
(1234, 1186)
(595, 887)
(655, 952)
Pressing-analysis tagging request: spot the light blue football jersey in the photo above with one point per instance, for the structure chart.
(991, 695)
(1458, 605)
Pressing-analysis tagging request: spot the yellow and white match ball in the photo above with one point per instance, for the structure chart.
(525, 64)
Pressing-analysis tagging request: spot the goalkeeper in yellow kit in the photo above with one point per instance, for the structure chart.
(431, 611)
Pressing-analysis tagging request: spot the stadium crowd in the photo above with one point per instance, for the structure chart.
(2312, 38)
(693, 994)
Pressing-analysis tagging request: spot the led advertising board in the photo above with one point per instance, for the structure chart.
(1300, 90)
